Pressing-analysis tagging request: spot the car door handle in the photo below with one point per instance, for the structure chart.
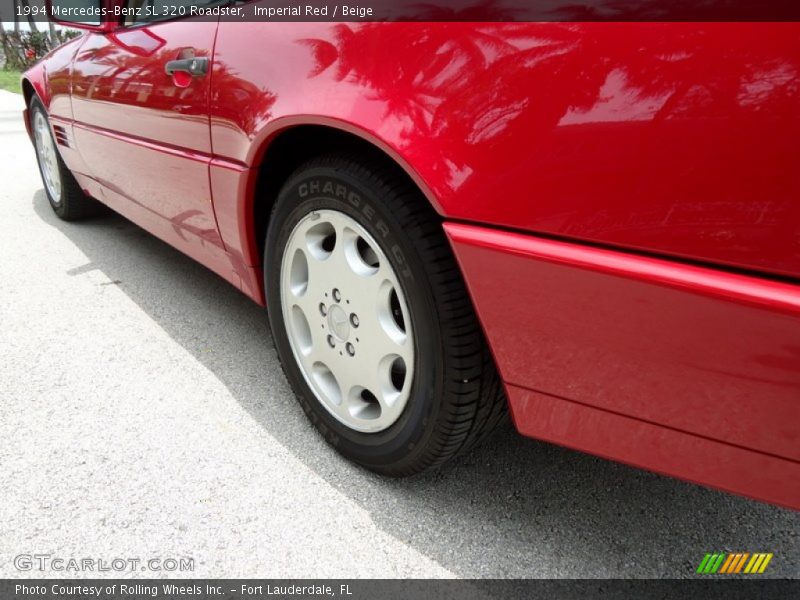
(195, 66)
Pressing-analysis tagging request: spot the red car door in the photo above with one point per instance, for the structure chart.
(144, 132)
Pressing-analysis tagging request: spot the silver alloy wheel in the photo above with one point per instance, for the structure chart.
(347, 320)
(48, 159)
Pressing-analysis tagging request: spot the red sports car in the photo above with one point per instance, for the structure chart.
(594, 226)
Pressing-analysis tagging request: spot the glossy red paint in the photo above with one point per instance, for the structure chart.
(669, 140)
(656, 448)
(656, 340)
(674, 138)
(132, 119)
(601, 337)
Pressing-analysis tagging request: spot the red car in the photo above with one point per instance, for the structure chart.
(595, 226)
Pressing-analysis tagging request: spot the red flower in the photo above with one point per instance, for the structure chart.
(30, 53)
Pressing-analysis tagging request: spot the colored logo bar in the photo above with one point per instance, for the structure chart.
(734, 562)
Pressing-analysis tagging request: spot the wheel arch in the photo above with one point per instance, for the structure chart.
(292, 141)
(34, 83)
(28, 93)
(27, 90)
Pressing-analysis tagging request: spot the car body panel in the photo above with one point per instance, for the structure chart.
(131, 118)
(657, 448)
(672, 138)
(191, 243)
(50, 79)
(697, 350)
(622, 199)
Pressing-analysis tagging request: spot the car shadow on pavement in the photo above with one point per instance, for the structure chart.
(513, 507)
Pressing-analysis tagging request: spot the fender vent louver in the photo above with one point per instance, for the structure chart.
(62, 137)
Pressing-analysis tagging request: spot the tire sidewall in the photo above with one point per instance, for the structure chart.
(346, 192)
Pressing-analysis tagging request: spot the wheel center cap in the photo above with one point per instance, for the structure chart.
(338, 323)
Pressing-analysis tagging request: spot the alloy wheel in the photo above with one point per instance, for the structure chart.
(347, 320)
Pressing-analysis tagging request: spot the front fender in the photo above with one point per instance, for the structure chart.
(34, 81)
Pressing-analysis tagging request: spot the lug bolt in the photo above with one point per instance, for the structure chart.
(337, 295)
(354, 320)
(350, 349)
(323, 311)
(331, 341)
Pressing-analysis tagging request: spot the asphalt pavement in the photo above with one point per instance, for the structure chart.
(143, 414)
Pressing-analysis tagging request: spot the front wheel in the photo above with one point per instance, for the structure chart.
(372, 321)
(63, 192)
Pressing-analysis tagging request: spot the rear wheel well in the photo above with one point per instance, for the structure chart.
(296, 146)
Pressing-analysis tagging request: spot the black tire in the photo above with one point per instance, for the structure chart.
(456, 397)
(73, 204)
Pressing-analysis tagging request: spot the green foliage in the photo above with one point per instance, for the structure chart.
(23, 48)
(9, 80)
